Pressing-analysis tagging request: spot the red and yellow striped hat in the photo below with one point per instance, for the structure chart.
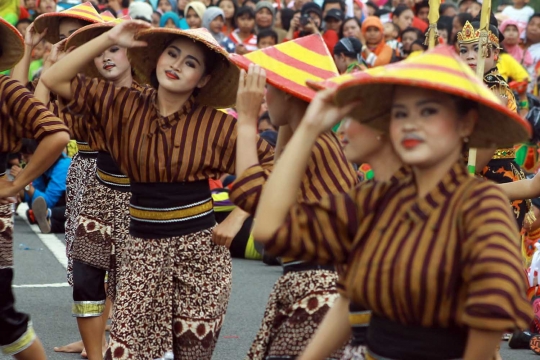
(87, 33)
(51, 21)
(289, 65)
(108, 16)
(11, 45)
(439, 70)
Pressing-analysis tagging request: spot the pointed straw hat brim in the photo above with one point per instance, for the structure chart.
(219, 92)
(51, 21)
(11, 44)
(289, 65)
(438, 70)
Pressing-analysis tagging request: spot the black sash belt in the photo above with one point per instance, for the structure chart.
(108, 173)
(160, 210)
(85, 150)
(394, 340)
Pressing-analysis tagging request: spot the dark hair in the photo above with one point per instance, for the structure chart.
(446, 6)
(235, 4)
(286, 18)
(419, 42)
(245, 10)
(372, 4)
(400, 9)
(267, 33)
(28, 146)
(351, 47)
(213, 63)
(346, 21)
(445, 23)
(125, 4)
(463, 18)
(265, 116)
(535, 15)
(419, 34)
(1, 50)
(142, 18)
(423, 4)
(340, 2)
(23, 21)
(463, 106)
(381, 11)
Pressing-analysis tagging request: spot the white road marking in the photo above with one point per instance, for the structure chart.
(55, 245)
(57, 285)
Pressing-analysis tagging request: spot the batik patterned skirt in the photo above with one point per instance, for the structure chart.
(172, 294)
(119, 234)
(354, 353)
(80, 172)
(92, 244)
(297, 305)
(16, 331)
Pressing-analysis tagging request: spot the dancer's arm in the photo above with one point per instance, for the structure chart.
(522, 189)
(332, 334)
(58, 77)
(286, 178)
(482, 344)
(32, 38)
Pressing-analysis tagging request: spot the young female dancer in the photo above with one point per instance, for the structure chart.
(306, 291)
(502, 168)
(104, 219)
(21, 115)
(434, 256)
(174, 281)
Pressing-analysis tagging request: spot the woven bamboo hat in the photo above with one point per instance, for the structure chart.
(11, 45)
(219, 92)
(289, 65)
(87, 33)
(51, 21)
(439, 70)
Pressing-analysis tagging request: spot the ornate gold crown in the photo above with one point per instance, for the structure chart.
(469, 35)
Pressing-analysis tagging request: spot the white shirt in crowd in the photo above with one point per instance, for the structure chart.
(522, 15)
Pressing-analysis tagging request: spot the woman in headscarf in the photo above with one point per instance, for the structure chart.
(194, 14)
(265, 16)
(213, 20)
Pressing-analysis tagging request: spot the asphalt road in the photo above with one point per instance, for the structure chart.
(41, 290)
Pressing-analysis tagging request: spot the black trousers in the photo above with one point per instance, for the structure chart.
(13, 324)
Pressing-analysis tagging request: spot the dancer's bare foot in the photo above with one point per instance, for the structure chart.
(84, 355)
(75, 347)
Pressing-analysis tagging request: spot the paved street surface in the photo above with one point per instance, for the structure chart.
(42, 291)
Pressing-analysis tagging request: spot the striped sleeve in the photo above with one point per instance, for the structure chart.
(92, 96)
(35, 120)
(246, 190)
(320, 232)
(493, 270)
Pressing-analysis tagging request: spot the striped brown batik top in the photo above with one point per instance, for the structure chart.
(328, 172)
(23, 116)
(450, 258)
(195, 143)
(89, 131)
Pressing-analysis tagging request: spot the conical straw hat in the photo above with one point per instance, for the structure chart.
(439, 70)
(11, 45)
(51, 21)
(87, 33)
(289, 65)
(108, 16)
(219, 92)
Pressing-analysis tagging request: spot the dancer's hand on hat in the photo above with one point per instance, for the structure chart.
(32, 37)
(124, 34)
(322, 113)
(58, 51)
(250, 95)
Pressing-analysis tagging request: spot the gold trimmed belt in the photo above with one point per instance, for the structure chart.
(85, 149)
(3, 175)
(507, 153)
(118, 180)
(360, 318)
(175, 214)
